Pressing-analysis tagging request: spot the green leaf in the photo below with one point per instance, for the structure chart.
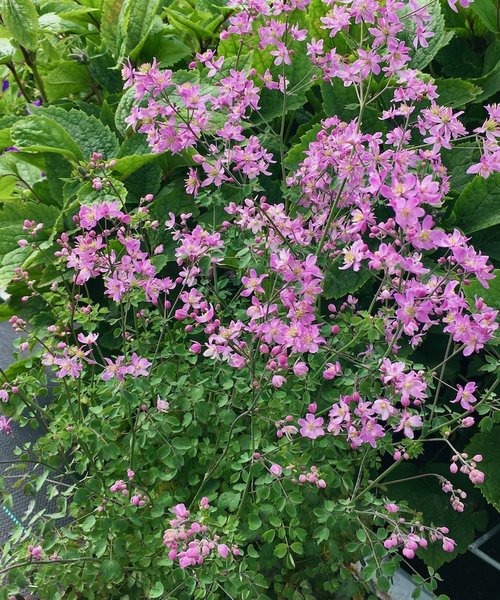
(123, 110)
(343, 102)
(167, 49)
(65, 78)
(478, 206)
(423, 56)
(87, 131)
(111, 570)
(6, 51)
(457, 161)
(137, 22)
(12, 217)
(89, 523)
(296, 153)
(340, 283)
(280, 550)
(486, 443)
(157, 590)
(229, 500)
(456, 92)
(491, 295)
(110, 13)
(361, 535)
(487, 11)
(298, 548)
(489, 83)
(254, 522)
(21, 20)
(41, 134)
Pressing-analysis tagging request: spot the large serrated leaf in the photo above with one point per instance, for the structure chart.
(12, 217)
(457, 161)
(87, 131)
(6, 51)
(123, 110)
(137, 22)
(296, 153)
(486, 443)
(421, 57)
(456, 92)
(110, 12)
(478, 206)
(21, 20)
(38, 133)
(340, 283)
(65, 78)
(488, 12)
(133, 154)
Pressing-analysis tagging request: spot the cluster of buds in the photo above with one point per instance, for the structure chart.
(457, 495)
(32, 227)
(400, 453)
(17, 323)
(120, 486)
(96, 170)
(35, 552)
(311, 476)
(188, 541)
(418, 536)
(468, 467)
(283, 427)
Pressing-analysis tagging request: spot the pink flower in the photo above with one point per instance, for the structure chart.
(278, 380)
(5, 425)
(180, 511)
(463, 4)
(223, 550)
(332, 370)
(300, 368)
(162, 405)
(35, 552)
(252, 283)
(466, 395)
(311, 426)
(408, 422)
(139, 366)
(476, 476)
(276, 470)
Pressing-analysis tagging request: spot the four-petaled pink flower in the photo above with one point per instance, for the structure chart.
(311, 426)
(466, 396)
(253, 283)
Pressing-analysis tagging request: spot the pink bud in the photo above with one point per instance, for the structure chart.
(195, 347)
(276, 470)
(223, 550)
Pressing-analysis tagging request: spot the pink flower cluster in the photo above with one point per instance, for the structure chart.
(189, 542)
(120, 486)
(468, 467)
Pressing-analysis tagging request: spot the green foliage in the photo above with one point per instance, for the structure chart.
(426, 494)
(486, 444)
(21, 20)
(69, 54)
(478, 206)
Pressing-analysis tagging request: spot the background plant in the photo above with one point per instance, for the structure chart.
(220, 417)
